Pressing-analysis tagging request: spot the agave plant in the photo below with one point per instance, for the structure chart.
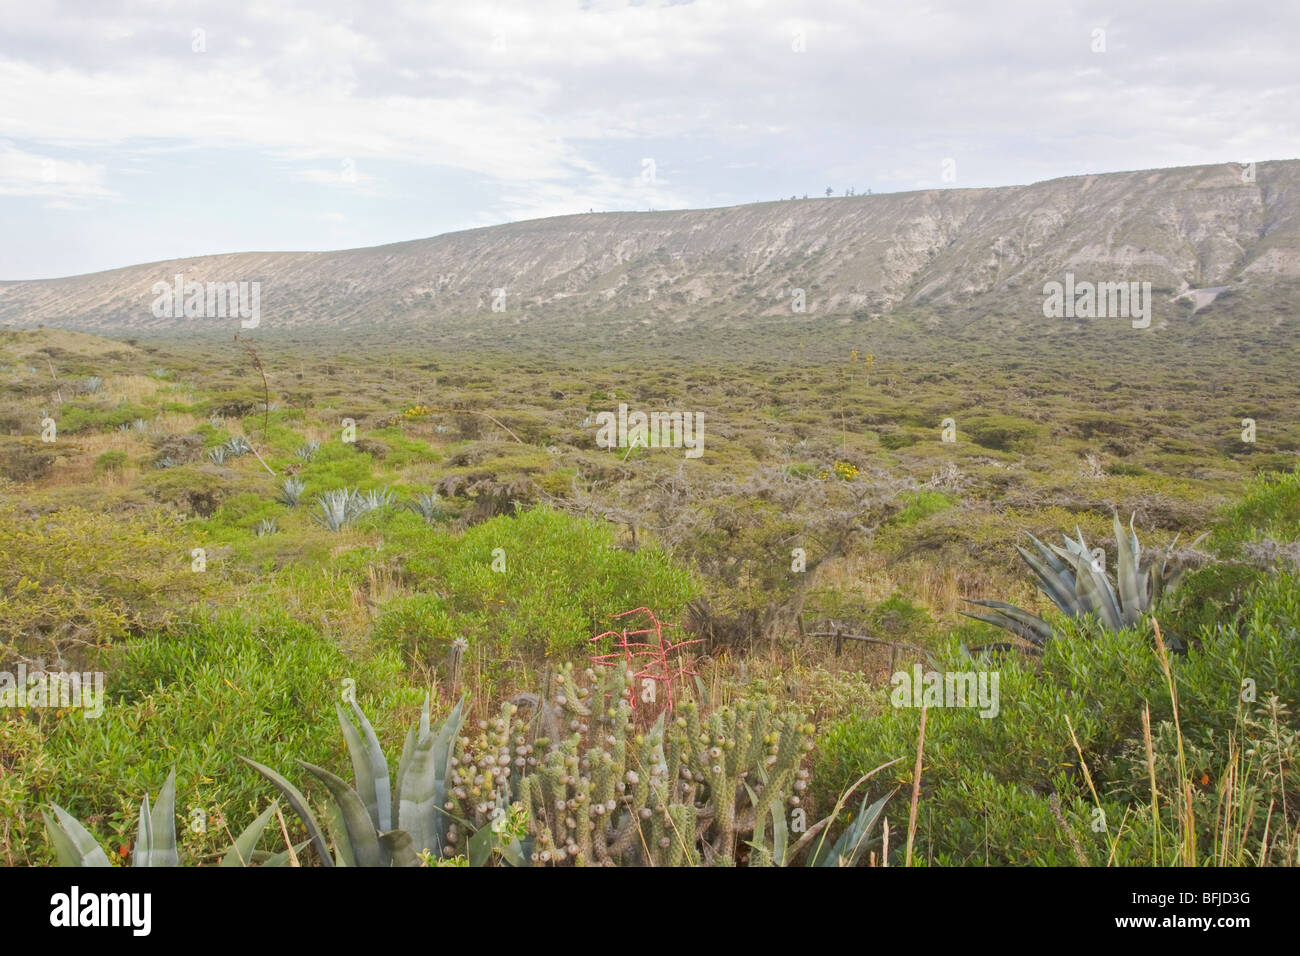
(1074, 579)
(373, 501)
(373, 823)
(238, 446)
(92, 385)
(307, 450)
(291, 491)
(426, 506)
(155, 836)
(265, 526)
(217, 455)
(244, 851)
(336, 508)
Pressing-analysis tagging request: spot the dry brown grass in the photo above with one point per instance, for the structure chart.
(132, 388)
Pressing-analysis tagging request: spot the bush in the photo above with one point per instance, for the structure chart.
(195, 698)
(562, 581)
(83, 578)
(987, 784)
(110, 461)
(999, 432)
(82, 416)
(26, 459)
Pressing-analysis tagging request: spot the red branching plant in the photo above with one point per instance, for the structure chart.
(646, 659)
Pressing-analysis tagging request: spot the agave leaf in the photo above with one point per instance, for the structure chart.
(515, 853)
(780, 834)
(848, 848)
(1058, 586)
(481, 844)
(143, 834)
(399, 848)
(160, 849)
(241, 851)
(424, 785)
(1126, 573)
(337, 828)
(369, 767)
(404, 764)
(1040, 630)
(300, 806)
(1092, 589)
(997, 619)
(283, 857)
(1055, 563)
(361, 835)
(1100, 593)
(73, 844)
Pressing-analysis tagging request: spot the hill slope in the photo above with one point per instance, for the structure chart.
(1181, 229)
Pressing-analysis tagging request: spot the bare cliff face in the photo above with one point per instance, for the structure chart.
(1183, 230)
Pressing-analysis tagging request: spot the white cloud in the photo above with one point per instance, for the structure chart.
(549, 107)
(32, 174)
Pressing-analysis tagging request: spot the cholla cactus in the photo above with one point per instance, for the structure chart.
(598, 792)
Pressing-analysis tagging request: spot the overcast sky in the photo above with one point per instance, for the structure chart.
(138, 131)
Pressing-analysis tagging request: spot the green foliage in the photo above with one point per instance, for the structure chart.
(561, 580)
(919, 505)
(83, 416)
(109, 462)
(195, 698)
(1073, 578)
(79, 578)
(988, 782)
(377, 823)
(1271, 509)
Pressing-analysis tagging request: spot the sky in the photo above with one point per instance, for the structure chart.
(136, 131)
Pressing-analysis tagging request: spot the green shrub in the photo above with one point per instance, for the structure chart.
(919, 505)
(562, 581)
(76, 577)
(110, 461)
(83, 416)
(999, 432)
(987, 783)
(197, 698)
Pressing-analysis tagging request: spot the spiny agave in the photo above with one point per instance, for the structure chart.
(1074, 579)
(217, 455)
(238, 446)
(265, 526)
(307, 450)
(155, 839)
(291, 491)
(374, 824)
(373, 500)
(336, 508)
(426, 506)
